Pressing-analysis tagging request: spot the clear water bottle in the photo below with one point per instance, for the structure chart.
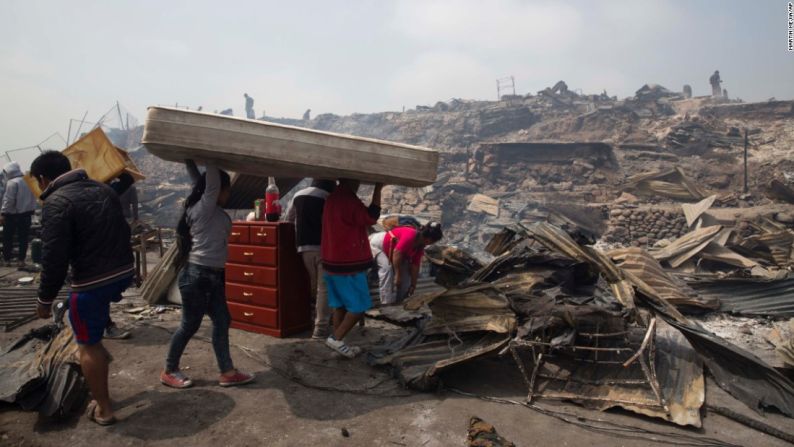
(272, 207)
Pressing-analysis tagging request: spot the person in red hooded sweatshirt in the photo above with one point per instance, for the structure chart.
(346, 258)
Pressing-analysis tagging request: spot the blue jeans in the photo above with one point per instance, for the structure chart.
(202, 290)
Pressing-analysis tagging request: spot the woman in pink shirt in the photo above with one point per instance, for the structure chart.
(398, 253)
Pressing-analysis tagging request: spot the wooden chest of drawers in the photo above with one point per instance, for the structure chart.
(266, 284)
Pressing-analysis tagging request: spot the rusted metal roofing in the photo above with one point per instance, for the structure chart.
(556, 239)
(750, 297)
(672, 183)
(687, 246)
(18, 306)
(644, 266)
(416, 361)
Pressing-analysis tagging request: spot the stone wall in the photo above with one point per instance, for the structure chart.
(644, 226)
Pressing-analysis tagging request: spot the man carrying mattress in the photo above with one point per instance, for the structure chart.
(346, 258)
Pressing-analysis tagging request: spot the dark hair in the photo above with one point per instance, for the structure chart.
(325, 185)
(432, 231)
(50, 165)
(184, 240)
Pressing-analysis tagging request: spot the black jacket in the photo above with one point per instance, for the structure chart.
(82, 226)
(307, 214)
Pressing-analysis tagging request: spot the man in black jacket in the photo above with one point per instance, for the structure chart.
(83, 226)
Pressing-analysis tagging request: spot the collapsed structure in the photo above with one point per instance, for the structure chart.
(602, 329)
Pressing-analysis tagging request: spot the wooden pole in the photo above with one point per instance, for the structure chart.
(745, 161)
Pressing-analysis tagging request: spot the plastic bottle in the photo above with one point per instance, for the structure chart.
(272, 207)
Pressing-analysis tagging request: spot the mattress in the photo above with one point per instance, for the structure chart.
(262, 148)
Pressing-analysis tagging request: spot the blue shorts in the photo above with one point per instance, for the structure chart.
(349, 292)
(89, 311)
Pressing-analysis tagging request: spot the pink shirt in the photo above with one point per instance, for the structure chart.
(405, 243)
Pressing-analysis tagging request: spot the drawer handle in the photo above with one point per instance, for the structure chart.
(248, 314)
(248, 274)
(261, 234)
(248, 294)
(235, 234)
(248, 253)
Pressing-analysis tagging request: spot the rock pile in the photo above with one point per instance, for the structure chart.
(644, 227)
(411, 201)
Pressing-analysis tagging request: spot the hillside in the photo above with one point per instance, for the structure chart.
(519, 151)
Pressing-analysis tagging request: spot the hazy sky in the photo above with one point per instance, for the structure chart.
(61, 58)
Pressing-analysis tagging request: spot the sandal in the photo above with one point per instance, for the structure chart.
(90, 413)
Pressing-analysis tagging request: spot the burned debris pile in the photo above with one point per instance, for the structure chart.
(41, 372)
(600, 329)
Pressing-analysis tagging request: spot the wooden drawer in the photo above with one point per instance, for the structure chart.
(259, 316)
(253, 295)
(239, 235)
(251, 254)
(264, 235)
(248, 274)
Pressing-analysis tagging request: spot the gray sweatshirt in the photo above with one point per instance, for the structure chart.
(18, 198)
(209, 224)
(2, 186)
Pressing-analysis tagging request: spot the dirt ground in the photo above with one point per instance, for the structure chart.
(292, 402)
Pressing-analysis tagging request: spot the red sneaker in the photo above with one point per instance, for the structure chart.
(239, 378)
(175, 380)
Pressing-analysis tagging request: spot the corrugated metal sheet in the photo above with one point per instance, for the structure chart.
(748, 297)
(18, 306)
(416, 361)
(644, 266)
(558, 240)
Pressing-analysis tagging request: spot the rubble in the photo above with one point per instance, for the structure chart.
(760, 297)
(671, 184)
(481, 203)
(535, 152)
(483, 434)
(40, 371)
(673, 290)
(582, 328)
(781, 191)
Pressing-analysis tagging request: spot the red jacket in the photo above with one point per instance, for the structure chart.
(345, 243)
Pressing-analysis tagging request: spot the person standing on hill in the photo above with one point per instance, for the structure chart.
(249, 107)
(715, 81)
